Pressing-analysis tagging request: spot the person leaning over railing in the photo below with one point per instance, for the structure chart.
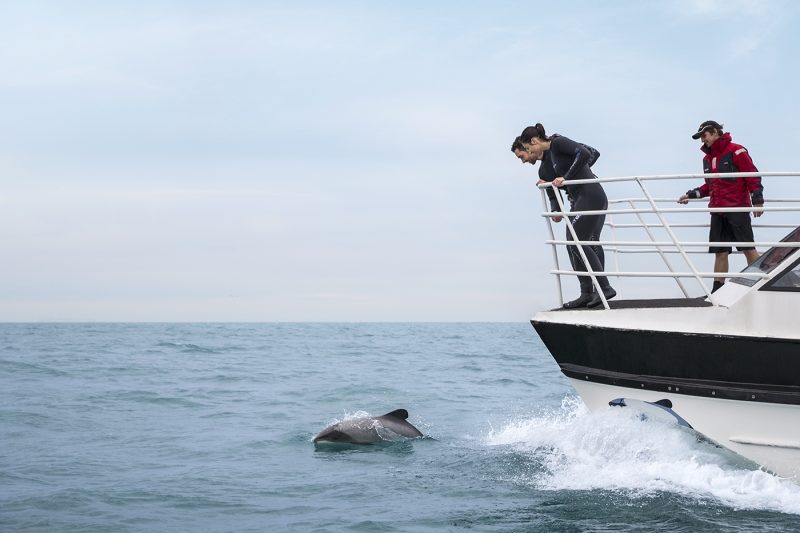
(721, 156)
(562, 160)
(527, 154)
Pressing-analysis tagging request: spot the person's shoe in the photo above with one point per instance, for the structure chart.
(608, 292)
(580, 301)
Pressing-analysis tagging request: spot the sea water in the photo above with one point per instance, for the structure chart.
(208, 427)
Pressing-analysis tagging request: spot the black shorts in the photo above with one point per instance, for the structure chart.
(730, 227)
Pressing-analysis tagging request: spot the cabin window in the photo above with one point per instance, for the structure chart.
(769, 260)
(788, 281)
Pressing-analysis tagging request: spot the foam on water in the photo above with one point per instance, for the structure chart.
(616, 450)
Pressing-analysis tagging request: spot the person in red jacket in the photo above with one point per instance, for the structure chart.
(723, 155)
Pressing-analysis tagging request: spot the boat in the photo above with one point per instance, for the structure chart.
(728, 362)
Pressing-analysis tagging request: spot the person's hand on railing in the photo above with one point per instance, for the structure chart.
(691, 193)
(758, 211)
(559, 181)
(554, 207)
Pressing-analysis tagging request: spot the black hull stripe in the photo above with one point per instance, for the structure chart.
(714, 366)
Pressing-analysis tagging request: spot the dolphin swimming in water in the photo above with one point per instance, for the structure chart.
(660, 410)
(370, 430)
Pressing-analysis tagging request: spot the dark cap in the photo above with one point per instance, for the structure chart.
(705, 126)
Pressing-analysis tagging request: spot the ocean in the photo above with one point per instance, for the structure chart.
(208, 427)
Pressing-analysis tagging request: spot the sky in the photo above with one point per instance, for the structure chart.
(346, 161)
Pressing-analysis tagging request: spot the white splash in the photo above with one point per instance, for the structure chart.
(616, 450)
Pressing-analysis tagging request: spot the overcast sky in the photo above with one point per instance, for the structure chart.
(340, 161)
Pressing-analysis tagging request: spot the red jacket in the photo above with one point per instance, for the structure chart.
(727, 156)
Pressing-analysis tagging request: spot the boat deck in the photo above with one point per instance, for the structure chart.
(649, 304)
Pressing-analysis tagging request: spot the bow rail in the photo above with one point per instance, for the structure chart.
(663, 220)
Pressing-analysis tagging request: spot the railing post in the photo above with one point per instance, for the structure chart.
(553, 248)
(652, 238)
(616, 248)
(586, 264)
(675, 241)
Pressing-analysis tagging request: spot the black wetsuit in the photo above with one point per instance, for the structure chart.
(572, 160)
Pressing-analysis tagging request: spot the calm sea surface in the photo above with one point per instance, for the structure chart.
(208, 427)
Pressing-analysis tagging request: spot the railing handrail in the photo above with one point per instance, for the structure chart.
(671, 210)
(679, 243)
(642, 274)
(674, 199)
(674, 245)
(675, 177)
(691, 225)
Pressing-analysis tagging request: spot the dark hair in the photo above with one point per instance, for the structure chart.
(536, 131)
(517, 145)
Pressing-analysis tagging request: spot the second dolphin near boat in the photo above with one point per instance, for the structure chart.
(660, 410)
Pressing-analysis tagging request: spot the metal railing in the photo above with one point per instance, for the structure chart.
(648, 205)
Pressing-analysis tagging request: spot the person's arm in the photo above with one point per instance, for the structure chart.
(744, 163)
(551, 193)
(545, 177)
(594, 154)
(554, 206)
(698, 192)
(580, 154)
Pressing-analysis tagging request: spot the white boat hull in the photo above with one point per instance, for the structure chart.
(766, 433)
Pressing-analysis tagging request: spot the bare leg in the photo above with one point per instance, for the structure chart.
(721, 265)
(750, 255)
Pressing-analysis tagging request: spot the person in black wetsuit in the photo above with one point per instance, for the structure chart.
(562, 160)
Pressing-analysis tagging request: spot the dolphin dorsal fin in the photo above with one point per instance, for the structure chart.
(664, 403)
(402, 414)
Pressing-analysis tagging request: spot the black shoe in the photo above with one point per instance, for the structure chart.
(579, 302)
(608, 292)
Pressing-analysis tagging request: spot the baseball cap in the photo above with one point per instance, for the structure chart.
(705, 126)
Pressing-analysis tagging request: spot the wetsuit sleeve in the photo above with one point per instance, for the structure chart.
(580, 154)
(744, 163)
(551, 191)
(594, 154)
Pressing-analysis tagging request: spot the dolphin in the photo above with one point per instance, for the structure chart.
(370, 430)
(660, 410)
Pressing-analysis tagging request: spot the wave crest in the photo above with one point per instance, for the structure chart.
(615, 450)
